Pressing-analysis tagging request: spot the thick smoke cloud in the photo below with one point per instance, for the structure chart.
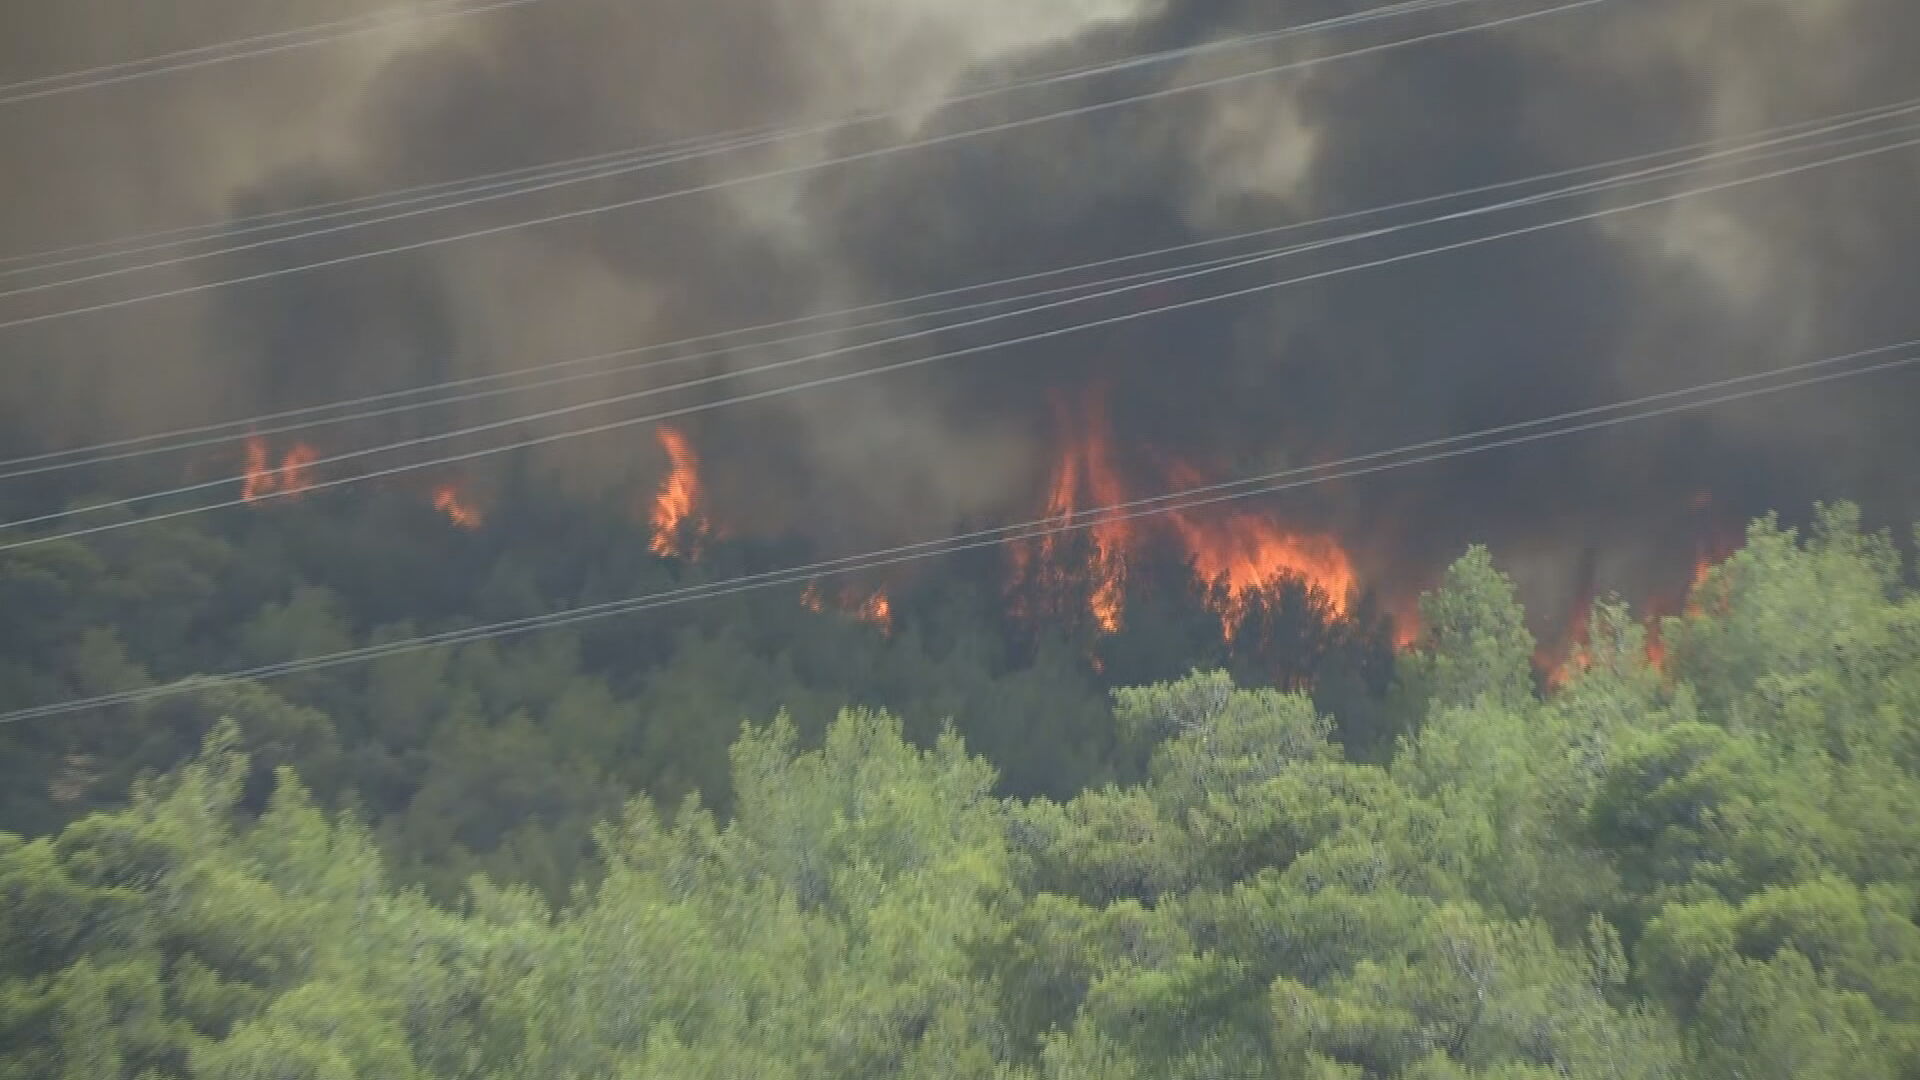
(1704, 289)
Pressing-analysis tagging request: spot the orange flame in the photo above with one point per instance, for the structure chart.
(1717, 546)
(1239, 550)
(1407, 627)
(293, 475)
(1085, 467)
(878, 610)
(1566, 656)
(1656, 648)
(260, 479)
(1699, 597)
(447, 500)
(677, 526)
(1244, 552)
(875, 608)
(296, 468)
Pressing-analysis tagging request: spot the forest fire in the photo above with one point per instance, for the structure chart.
(878, 610)
(457, 510)
(1407, 628)
(1085, 475)
(293, 475)
(875, 608)
(678, 526)
(1694, 598)
(1244, 552)
(1238, 550)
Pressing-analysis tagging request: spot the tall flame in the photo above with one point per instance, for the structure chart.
(293, 475)
(1239, 550)
(677, 524)
(1084, 473)
(260, 478)
(463, 515)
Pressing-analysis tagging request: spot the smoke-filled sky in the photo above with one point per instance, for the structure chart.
(1774, 273)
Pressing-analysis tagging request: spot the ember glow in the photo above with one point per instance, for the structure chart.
(293, 475)
(878, 610)
(874, 607)
(677, 523)
(1407, 628)
(463, 514)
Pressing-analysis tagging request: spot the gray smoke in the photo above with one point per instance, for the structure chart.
(1770, 274)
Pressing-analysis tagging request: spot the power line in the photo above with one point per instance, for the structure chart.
(1441, 449)
(291, 217)
(256, 425)
(865, 372)
(858, 373)
(793, 170)
(542, 184)
(244, 48)
(590, 167)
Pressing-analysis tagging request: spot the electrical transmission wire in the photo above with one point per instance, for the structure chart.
(289, 420)
(245, 48)
(538, 184)
(861, 372)
(663, 153)
(1520, 433)
(620, 162)
(795, 170)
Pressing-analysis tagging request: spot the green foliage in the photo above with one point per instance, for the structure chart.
(1708, 870)
(1476, 641)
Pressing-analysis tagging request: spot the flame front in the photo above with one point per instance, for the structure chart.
(677, 525)
(293, 475)
(1245, 552)
(463, 515)
(1239, 550)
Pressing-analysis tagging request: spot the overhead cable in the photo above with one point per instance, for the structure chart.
(841, 377)
(291, 420)
(1435, 450)
(786, 171)
(632, 159)
(247, 48)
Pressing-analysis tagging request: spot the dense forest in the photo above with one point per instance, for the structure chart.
(959, 540)
(757, 838)
(502, 756)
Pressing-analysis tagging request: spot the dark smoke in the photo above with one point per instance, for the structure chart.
(1773, 274)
